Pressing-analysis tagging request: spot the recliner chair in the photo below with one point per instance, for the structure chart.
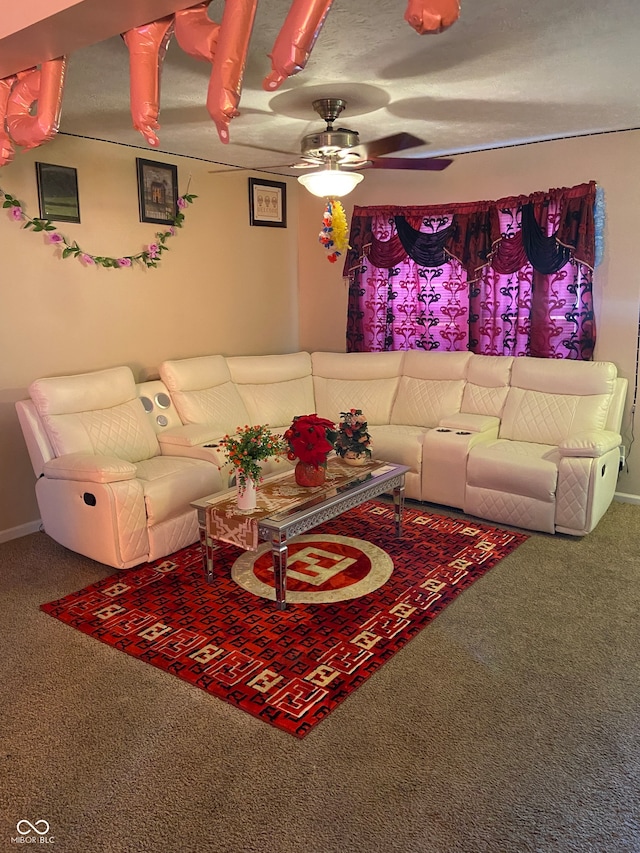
(104, 487)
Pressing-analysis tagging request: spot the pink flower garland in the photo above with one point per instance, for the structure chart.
(149, 257)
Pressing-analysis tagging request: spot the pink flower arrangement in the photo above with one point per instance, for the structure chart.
(150, 256)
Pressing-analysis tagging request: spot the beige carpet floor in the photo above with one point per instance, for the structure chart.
(511, 724)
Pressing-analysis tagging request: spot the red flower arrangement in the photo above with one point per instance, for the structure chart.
(310, 439)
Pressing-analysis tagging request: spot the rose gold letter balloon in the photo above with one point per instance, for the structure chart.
(44, 86)
(432, 16)
(196, 33)
(6, 145)
(225, 83)
(295, 41)
(147, 48)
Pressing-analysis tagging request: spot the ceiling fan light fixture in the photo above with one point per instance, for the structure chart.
(330, 182)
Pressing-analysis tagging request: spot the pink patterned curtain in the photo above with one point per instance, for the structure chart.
(509, 277)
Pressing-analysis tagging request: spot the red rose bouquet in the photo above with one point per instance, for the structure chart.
(310, 439)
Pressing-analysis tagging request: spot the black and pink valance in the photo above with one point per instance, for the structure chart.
(512, 276)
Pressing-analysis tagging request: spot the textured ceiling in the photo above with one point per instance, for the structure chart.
(507, 72)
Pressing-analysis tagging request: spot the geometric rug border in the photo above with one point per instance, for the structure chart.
(288, 668)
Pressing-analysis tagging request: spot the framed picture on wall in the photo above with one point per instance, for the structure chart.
(157, 191)
(58, 192)
(267, 203)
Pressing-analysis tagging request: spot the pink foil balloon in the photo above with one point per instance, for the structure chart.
(6, 145)
(432, 16)
(147, 48)
(295, 41)
(225, 83)
(44, 86)
(196, 33)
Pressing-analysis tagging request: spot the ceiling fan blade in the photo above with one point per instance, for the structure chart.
(388, 145)
(433, 164)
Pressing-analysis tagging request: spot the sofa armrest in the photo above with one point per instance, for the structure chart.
(471, 422)
(89, 467)
(591, 443)
(187, 435)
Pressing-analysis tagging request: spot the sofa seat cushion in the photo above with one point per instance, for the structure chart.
(514, 467)
(171, 483)
(401, 445)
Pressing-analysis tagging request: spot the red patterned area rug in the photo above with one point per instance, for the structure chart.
(289, 668)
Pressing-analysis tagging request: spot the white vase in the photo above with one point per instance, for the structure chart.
(246, 494)
(355, 459)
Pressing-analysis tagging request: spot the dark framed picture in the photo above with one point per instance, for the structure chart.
(58, 192)
(157, 191)
(267, 203)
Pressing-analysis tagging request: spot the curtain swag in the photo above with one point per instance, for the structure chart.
(506, 277)
(471, 232)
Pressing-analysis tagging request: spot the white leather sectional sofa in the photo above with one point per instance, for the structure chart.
(527, 442)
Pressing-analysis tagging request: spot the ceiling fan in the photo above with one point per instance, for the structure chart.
(338, 155)
(341, 155)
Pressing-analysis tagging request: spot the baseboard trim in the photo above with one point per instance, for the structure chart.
(626, 499)
(21, 530)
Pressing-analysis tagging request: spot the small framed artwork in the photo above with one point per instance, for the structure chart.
(157, 191)
(267, 203)
(58, 192)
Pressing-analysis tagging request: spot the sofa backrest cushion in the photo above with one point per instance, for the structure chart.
(95, 413)
(488, 378)
(274, 388)
(430, 388)
(203, 393)
(358, 380)
(550, 399)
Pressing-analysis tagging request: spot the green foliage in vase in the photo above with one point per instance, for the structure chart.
(247, 447)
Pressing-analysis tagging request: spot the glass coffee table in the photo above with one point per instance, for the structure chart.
(286, 510)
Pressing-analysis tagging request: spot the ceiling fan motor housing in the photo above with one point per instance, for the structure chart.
(329, 142)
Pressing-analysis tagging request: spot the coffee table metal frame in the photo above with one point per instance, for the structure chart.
(280, 527)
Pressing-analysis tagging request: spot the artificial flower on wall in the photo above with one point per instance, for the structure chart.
(150, 256)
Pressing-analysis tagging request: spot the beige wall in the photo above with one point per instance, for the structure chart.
(223, 286)
(608, 159)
